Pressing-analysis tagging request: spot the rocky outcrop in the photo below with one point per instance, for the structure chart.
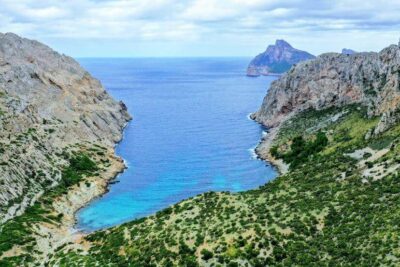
(347, 51)
(371, 79)
(276, 59)
(48, 102)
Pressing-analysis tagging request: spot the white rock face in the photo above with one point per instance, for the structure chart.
(333, 79)
(47, 102)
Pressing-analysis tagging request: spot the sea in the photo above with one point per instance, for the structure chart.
(191, 133)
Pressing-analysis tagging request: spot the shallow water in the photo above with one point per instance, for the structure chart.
(190, 133)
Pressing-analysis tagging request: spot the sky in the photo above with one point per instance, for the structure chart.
(198, 28)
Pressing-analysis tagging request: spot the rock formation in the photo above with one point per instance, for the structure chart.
(347, 51)
(47, 103)
(334, 79)
(276, 59)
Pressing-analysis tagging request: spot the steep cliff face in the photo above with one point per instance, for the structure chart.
(276, 59)
(332, 79)
(48, 102)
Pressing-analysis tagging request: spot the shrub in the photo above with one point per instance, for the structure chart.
(206, 254)
(301, 150)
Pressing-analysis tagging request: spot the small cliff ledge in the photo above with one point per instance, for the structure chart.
(48, 103)
(276, 59)
(333, 79)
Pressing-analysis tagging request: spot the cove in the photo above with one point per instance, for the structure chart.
(190, 133)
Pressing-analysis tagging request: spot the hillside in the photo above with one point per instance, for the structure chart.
(58, 131)
(339, 205)
(276, 59)
(335, 126)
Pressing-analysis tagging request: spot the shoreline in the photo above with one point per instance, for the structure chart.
(262, 74)
(51, 237)
(67, 234)
(263, 147)
(108, 181)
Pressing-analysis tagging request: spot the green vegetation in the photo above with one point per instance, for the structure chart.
(301, 150)
(79, 165)
(20, 230)
(323, 212)
(382, 143)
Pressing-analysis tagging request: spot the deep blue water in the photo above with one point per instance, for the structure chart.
(190, 133)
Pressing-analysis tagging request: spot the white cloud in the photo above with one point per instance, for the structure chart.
(200, 22)
(210, 10)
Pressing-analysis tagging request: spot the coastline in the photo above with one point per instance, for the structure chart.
(50, 237)
(255, 75)
(109, 179)
(263, 147)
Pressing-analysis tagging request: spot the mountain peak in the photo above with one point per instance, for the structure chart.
(276, 59)
(282, 43)
(347, 51)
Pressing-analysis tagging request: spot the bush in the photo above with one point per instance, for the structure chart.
(206, 254)
(274, 152)
(300, 150)
(78, 166)
(366, 155)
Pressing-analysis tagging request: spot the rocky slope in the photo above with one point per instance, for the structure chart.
(276, 59)
(371, 79)
(48, 104)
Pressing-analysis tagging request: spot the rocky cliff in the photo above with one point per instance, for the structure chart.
(276, 59)
(371, 79)
(48, 103)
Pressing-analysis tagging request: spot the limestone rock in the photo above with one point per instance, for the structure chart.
(47, 102)
(333, 79)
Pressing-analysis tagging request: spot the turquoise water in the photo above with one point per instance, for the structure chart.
(190, 133)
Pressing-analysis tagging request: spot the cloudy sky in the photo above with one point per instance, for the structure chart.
(152, 28)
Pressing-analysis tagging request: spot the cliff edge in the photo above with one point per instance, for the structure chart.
(48, 103)
(333, 79)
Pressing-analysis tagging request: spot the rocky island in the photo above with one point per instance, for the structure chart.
(333, 124)
(276, 59)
